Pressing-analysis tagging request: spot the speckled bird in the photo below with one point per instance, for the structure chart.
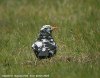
(45, 46)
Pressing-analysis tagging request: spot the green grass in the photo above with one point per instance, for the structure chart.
(77, 37)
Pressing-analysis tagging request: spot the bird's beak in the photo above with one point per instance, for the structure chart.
(53, 28)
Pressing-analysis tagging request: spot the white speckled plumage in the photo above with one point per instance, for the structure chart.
(45, 47)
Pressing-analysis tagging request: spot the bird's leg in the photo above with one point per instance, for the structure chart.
(35, 61)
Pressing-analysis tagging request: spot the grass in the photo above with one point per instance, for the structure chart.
(78, 37)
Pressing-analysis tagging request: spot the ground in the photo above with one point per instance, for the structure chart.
(77, 37)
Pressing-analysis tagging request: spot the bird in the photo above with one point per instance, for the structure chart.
(45, 47)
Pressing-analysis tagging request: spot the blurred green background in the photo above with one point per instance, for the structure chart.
(77, 37)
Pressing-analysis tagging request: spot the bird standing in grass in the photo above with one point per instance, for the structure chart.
(45, 46)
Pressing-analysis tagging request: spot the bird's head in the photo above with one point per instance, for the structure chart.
(48, 28)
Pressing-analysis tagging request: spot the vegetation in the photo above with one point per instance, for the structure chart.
(77, 37)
